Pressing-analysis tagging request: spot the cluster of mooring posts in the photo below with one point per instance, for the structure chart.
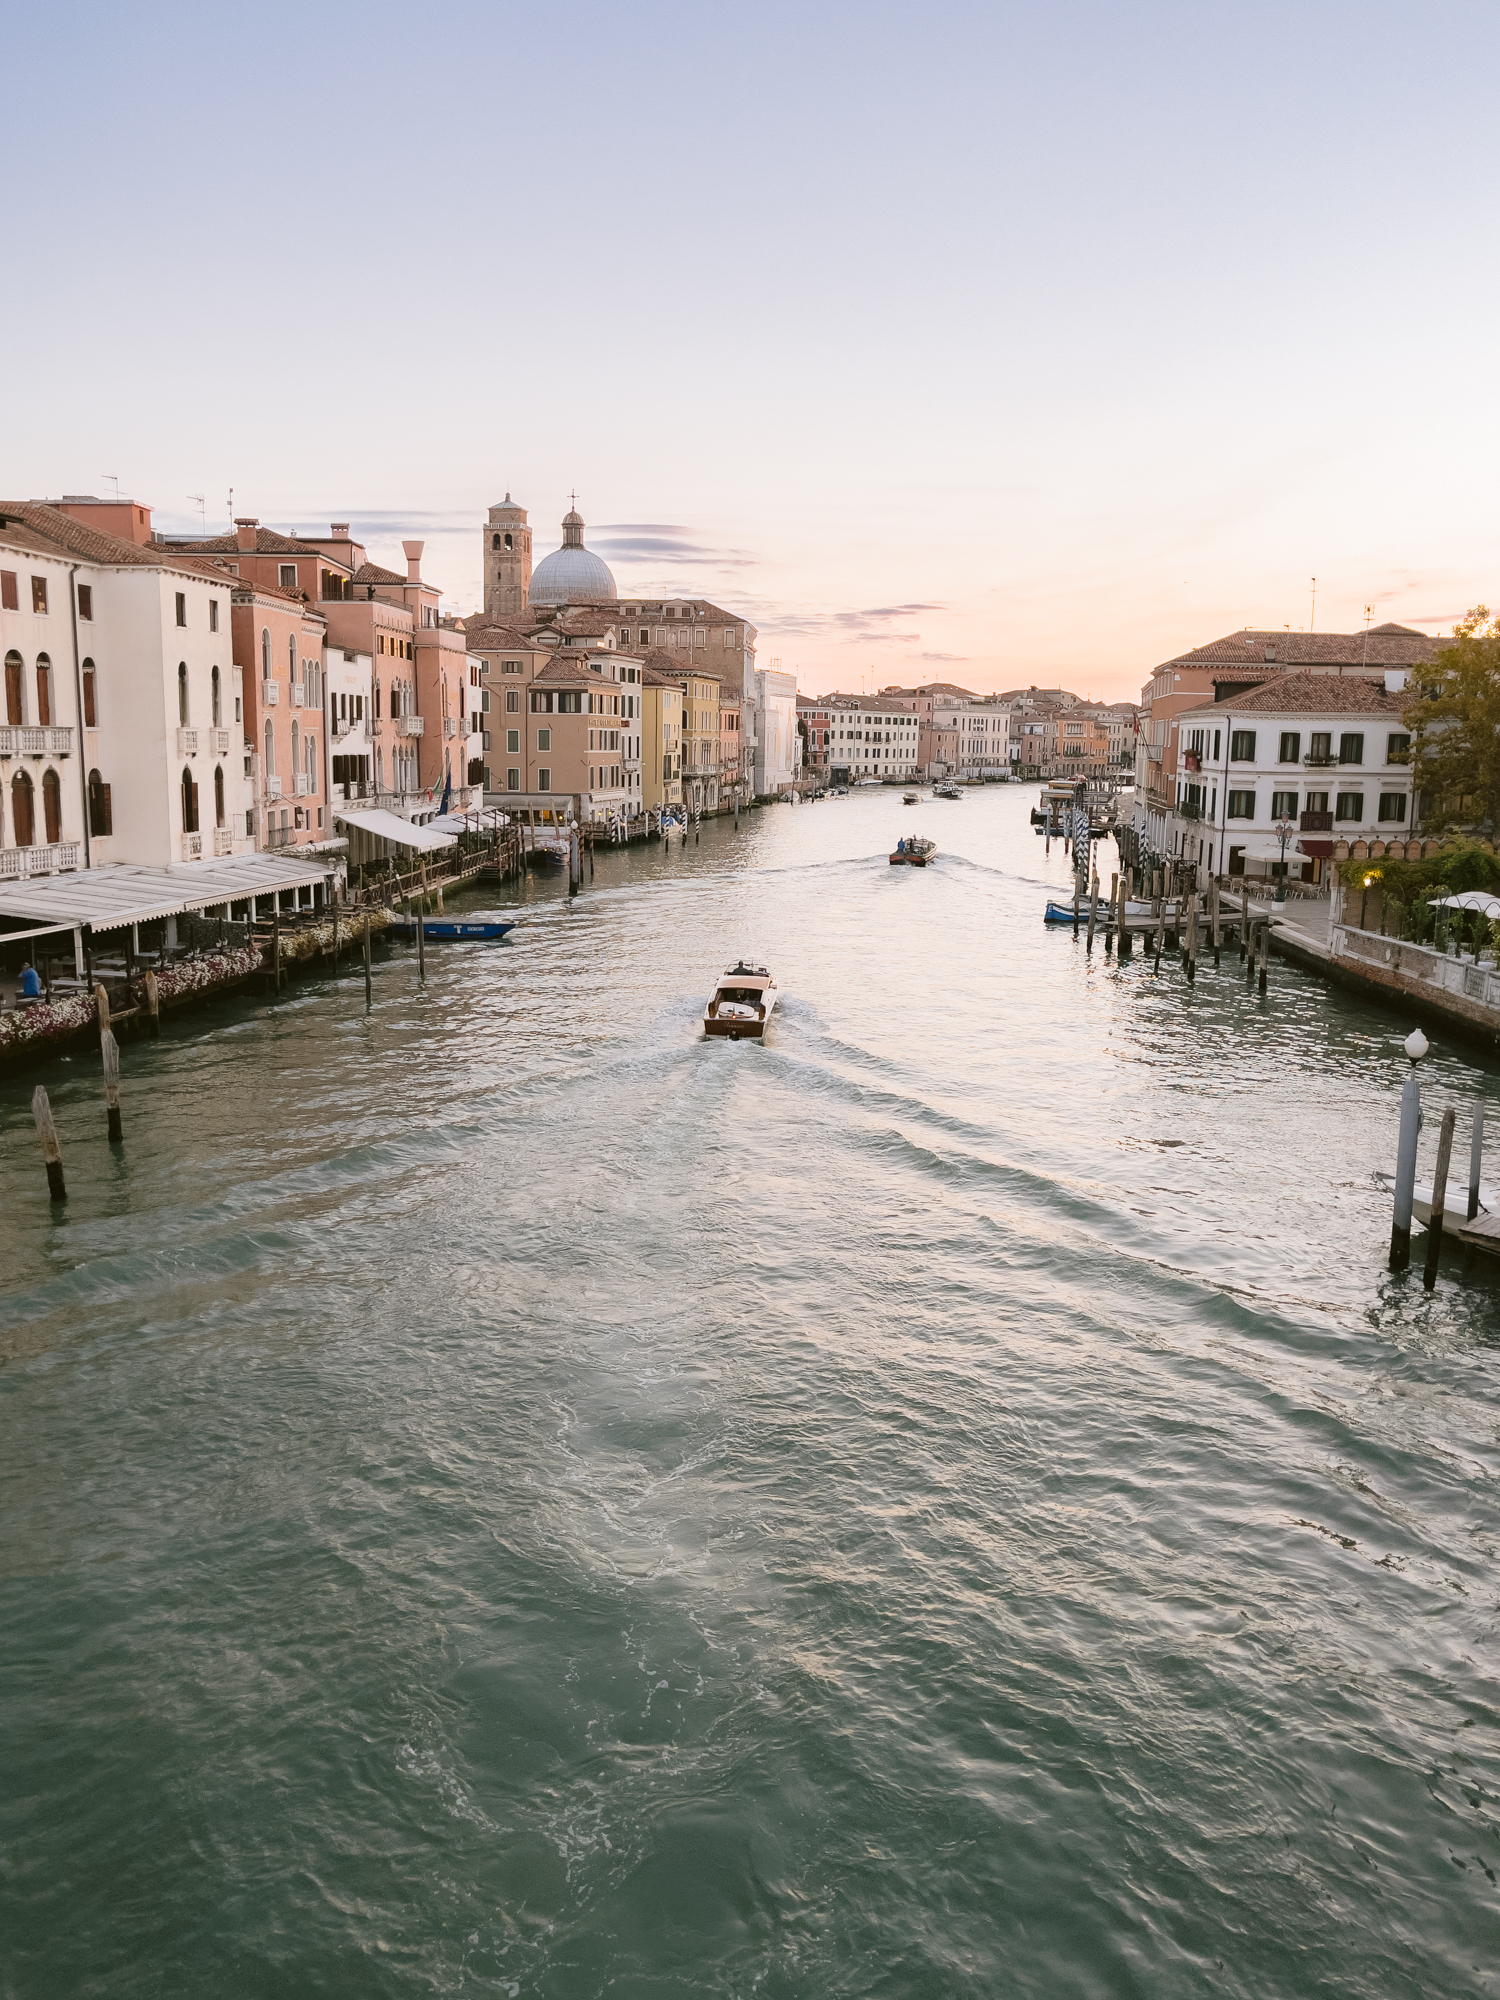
(1188, 922)
(1474, 1231)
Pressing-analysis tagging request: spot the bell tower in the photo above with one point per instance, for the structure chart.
(507, 561)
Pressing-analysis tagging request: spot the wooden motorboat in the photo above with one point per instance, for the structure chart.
(1455, 1202)
(742, 1003)
(946, 792)
(911, 798)
(914, 852)
(1062, 913)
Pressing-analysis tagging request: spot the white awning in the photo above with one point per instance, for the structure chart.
(109, 898)
(388, 826)
(1260, 846)
(1471, 899)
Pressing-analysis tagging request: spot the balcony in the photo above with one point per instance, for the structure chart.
(1320, 760)
(270, 693)
(273, 786)
(192, 847)
(409, 725)
(1190, 809)
(187, 742)
(304, 785)
(450, 727)
(218, 742)
(223, 840)
(15, 861)
(280, 836)
(1313, 822)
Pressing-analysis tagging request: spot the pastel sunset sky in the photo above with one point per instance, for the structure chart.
(993, 343)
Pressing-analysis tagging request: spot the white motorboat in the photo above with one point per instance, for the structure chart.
(742, 1003)
(1455, 1203)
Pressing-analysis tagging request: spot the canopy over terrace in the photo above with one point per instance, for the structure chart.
(105, 899)
(373, 833)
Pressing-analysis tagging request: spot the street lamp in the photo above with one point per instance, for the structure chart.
(1283, 830)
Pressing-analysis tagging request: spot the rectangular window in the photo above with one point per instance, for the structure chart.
(1350, 805)
(486, 739)
(1242, 805)
(1291, 746)
(10, 599)
(1351, 749)
(513, 780)
(288, 574)
(544, 781)
(544, 739)
(213, 614)
(90, 711)
(39, 593)
(512, 701)
(85, 600)
(1397, 748)
(1242, 745)
(182, 607)
(1393, 806)
(1320, 747)
(1317, 802)
(1283, 804)
(510, 666)
(513, 742)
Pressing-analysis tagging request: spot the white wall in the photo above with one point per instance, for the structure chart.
(33, 634)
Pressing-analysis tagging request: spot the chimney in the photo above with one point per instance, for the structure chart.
(413, 560)
(339, 531)
(245, 526)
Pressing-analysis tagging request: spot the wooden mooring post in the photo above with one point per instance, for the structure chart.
(421, 946)
(369, 991)
(1112, 914)
(1439, 1195)
(1093, 910)
(1213, 914)
(153, 1007)
(1406, 1171)
(1476, 1160)
(110, 1049)
(1192, 940)
(46, 1131)
(276, 943)
(1265, 953)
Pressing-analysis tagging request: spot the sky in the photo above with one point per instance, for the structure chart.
(990, 343)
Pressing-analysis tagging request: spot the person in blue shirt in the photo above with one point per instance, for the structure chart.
(31, 986)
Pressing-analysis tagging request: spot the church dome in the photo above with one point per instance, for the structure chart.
(571, 574)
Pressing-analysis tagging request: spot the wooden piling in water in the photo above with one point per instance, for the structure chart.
(421, 946)
(153, 1007)
(335, 941)
(1439, 1195)
(111, 1052)
(276, 944)
(1192, 940)
(1093, 909)
(1213, 906)
(1476, 1158)
(369, 995)
(1112, 914)
(1265, 952)
(46, 1131)
(1406, 1173)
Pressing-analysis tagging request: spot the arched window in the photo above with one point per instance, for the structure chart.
(90, 697)
(22, 817)
(43, 689)
(189, 802)
(52, 807)
(270, 771)
(291, 657)
(182, 693)
(101, 819)
(294, 750)
(265, 652)
(14, 711)
(218, 795)
(310, 753)
(218, 698)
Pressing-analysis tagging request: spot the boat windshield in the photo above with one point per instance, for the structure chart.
(743, 996)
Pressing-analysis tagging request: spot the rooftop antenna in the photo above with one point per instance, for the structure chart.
(197, 500)
(1312, 623)
(231, 509)
(1365, 656)
(114, 481)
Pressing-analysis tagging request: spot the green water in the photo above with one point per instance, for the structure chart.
(503, 1497)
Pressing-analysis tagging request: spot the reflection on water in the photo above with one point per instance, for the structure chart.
(503, 1495)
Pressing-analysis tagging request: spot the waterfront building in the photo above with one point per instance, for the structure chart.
(279, 644)
(865, 735)
(1237, 663)
(349, 680)
(572, 592)
(734, 788)
(661, 739)
(128, 646)
(1324, 756)
(701, 729)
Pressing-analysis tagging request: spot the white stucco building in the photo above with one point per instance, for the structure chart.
(778, 746)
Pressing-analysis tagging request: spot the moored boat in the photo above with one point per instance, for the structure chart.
(454, 930)
(946, 792)
(1062, 913)
(742, 1003)
(914, 852)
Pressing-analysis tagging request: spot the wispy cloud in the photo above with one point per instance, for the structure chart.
(945, 656)
(662, 542)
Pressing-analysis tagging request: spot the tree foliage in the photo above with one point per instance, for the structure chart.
(1455, 726)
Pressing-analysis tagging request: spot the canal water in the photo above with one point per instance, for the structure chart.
(501, 1496)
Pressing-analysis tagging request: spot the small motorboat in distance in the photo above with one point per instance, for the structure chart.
(914, 852)
(476, 930)
(742, 1003)
(911, 798)
(946, 792)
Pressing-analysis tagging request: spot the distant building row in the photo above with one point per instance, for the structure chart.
(942, 731)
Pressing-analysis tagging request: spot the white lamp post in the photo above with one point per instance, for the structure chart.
(1283, 830)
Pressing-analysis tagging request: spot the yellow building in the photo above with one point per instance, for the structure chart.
(661, 740)
(701, 754)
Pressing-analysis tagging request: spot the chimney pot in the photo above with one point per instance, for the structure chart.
(339, 531)
(245, 526)
(413, 560)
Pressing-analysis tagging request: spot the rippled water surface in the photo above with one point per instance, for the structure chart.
(503, 1497)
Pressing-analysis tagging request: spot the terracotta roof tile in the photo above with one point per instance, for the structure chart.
(1382, 646)
(1318, 694)
(85, 544)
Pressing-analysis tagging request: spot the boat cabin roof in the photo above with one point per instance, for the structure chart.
(744, 974)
